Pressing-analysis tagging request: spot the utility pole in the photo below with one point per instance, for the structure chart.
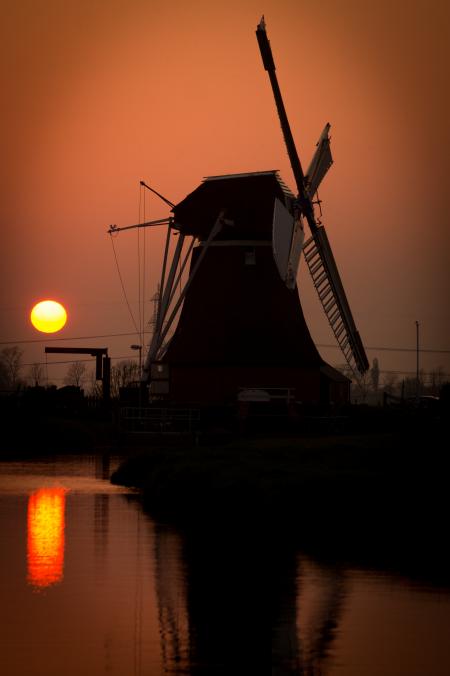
(138, 347)
(417, 363)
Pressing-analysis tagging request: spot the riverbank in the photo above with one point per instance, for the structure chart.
(33, 435)
(380, 497)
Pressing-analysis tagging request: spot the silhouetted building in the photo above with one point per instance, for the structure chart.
(241, 327)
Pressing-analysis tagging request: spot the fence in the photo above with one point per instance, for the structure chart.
(149, 420)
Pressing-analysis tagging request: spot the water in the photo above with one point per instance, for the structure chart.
(91, 585)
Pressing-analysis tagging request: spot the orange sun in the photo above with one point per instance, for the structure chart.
(48, 316)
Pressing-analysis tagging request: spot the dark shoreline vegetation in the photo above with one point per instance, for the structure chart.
(369, 490)
(378, 500)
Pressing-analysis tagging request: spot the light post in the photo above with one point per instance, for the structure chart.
(138, 347)
(417, 362)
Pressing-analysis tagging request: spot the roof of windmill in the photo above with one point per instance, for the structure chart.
(247, 199)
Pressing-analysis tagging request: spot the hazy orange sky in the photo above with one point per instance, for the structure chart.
(98, 95)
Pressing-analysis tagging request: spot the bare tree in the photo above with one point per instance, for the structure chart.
(76, 374)
(360, 383)
(10, 367)
(375, 375)
(437, 379)
(122, 374)
(444, 394)
(361, 387)
(95, 389)
(412, 388)
(36, 374)
(3, 377)
(390, 383)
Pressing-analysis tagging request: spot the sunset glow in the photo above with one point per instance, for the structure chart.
(46, 523)
(48, 316)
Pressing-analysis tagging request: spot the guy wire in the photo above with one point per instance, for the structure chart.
(123, 286)
(139, 264)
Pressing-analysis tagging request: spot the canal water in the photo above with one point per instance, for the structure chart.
(90, 584)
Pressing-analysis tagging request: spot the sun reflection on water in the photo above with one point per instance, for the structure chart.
(46, 522)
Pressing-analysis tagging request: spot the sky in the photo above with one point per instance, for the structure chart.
(98, 95)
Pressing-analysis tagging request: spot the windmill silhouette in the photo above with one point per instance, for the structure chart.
(241, 333)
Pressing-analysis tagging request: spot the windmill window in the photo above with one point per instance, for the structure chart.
(250, 257)
(159, 371)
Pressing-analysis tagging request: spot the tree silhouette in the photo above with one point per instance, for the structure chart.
(390, 383)
(122, 374)
(375, 375)
(76, 374)
(10, 367)
(36, 374)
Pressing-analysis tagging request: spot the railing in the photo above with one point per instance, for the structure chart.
(286, 394)
(149, 420)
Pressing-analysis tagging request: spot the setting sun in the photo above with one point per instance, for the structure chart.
(48, 316)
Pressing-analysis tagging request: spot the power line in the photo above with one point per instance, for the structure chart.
(413, 373)
(133, 333)
(53, 340)
(71, 361)
(390, 349)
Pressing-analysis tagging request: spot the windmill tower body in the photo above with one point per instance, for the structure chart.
(242, 328)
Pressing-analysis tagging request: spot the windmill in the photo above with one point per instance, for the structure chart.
(235, 330)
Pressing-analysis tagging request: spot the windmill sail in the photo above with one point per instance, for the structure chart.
(320, 163)
(318, 254)
(269, 66)
(287, 243)
(298, 237)
(282, 229)
(326, 279)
